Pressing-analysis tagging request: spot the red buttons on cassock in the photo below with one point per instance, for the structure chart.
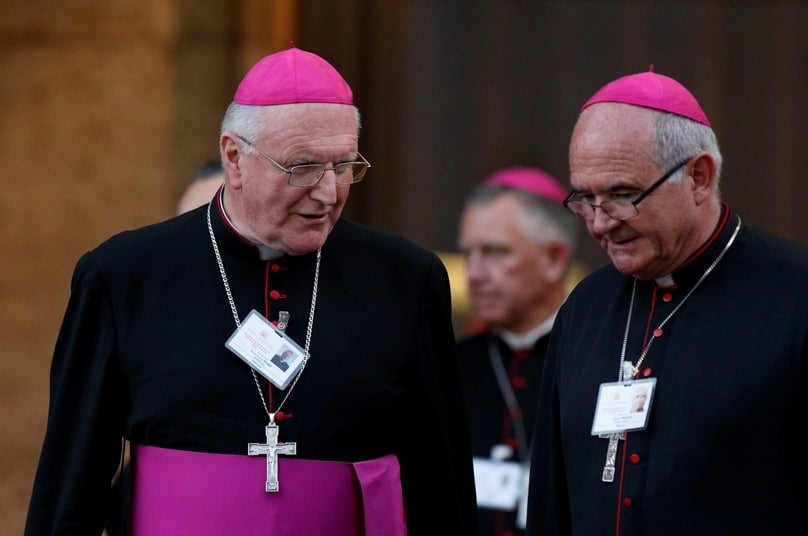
(519, 382)
(627, 502)
(275, 267)
(646, 372)
(275, 295)
(667, 297)
(658, 332)
(635, 458)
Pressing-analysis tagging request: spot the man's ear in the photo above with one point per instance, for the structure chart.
(230, 148)
(703, 172)
(558, 258)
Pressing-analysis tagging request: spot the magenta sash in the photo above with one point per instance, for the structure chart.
(186, 492)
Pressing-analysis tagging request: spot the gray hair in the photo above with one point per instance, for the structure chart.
(543, 219)
(678, 138)
(249, 121)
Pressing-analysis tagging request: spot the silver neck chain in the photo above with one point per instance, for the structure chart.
(623, 374)
(514, 410)
(233, 309)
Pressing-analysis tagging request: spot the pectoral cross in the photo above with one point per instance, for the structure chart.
(271, 449)
(611, 455)
(628, 371)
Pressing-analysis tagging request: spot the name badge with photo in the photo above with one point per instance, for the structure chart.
(267, 349)
(623, 406)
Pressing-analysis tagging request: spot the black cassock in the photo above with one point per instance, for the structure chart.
(141, 354)
(491, 422)
(722, 452)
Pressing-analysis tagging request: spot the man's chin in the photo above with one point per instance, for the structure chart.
(623, 255)
(624, 262)
(308, 242)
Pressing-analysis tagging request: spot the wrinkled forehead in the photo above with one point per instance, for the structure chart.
(310, 123)
(611, 140)
(285, 116)
(609, 127)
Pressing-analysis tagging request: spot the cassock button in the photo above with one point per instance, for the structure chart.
(658, 332)
(627, 502)
(512, 442)
(519, 382)
(275, 267)
(667, 297)
(647, 372)
(635, 458)
(275, 295)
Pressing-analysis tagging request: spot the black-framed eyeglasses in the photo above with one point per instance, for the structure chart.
(619, 208)
(307, 175)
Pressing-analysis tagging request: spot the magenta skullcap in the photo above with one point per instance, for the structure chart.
(292, 76)
(529, 179)
(651, 90)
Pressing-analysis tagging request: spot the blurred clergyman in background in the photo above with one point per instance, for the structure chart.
(518, 242)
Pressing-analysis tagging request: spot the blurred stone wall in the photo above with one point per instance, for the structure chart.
(107, 108)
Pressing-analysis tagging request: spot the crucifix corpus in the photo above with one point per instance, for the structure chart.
(271, 449)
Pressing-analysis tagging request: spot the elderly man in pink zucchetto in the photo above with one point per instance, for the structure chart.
(169, 333)
(698, 308)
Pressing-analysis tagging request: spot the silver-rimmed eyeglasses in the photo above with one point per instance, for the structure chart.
(307, 175)
(620, 208)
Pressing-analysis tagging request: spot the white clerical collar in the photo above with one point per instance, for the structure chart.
(521, 341)
(665, 281)
(267, 253)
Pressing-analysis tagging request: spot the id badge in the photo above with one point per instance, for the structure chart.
(267, 349)
(499, 484)
(623, 406)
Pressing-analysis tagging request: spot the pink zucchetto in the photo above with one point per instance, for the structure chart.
(530, 179)
(292, 76)
(651, 90)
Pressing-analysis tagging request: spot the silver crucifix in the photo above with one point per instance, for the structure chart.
(611, 455)
(271, 449)
(627, 372)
